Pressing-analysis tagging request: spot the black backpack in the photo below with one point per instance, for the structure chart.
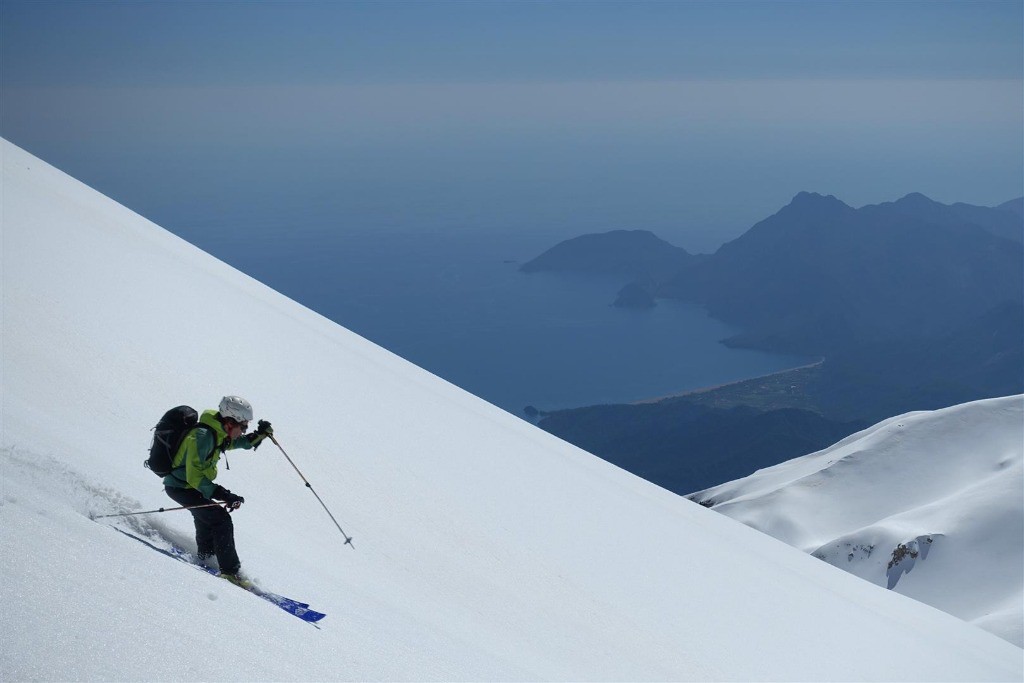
(168, 434)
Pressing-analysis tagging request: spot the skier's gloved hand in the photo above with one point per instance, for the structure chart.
(233, 502)
(263, 430)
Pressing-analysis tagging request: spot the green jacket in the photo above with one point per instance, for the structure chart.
(195, 463)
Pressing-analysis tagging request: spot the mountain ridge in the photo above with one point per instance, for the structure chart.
(819, 275)
(910, 504)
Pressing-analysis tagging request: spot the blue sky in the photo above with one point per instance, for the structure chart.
(693, 119)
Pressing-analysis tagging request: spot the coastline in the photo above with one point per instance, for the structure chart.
(716, 387)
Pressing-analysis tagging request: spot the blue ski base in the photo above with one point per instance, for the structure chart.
(293, 607)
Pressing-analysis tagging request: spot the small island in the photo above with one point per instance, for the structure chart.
(635, 295)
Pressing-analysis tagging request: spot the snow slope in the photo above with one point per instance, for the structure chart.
(485, 549)
(930, 504)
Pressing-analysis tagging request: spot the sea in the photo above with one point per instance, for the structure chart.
(455, 303)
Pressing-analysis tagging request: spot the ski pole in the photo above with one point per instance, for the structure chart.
(151, 512)
(348, 539)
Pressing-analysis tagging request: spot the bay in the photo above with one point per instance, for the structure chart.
(455, 303)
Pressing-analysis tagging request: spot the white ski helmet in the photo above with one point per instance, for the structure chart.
(236, 408)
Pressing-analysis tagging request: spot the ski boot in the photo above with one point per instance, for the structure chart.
(237, 579)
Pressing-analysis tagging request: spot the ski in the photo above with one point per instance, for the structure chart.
(293, 607)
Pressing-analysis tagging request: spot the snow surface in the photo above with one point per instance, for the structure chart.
(930, 504)
(485, 549)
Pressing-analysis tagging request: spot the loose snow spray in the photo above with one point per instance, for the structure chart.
(348, 539)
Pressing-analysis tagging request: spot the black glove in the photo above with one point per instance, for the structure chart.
(263, 430)
(233, 502)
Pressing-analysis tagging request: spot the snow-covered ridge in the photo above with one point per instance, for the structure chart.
(485, 549)
(930, 504)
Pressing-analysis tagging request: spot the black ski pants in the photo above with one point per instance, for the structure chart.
(215, 532)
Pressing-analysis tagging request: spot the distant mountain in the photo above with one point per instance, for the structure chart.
(1002, 221)
(634, 254)
(1015, 206)
(820, 276)
(927, 504)
(913, 305)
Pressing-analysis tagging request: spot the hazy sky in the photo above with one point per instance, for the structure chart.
(693, 119)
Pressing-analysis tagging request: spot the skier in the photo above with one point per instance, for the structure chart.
(190, 483)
